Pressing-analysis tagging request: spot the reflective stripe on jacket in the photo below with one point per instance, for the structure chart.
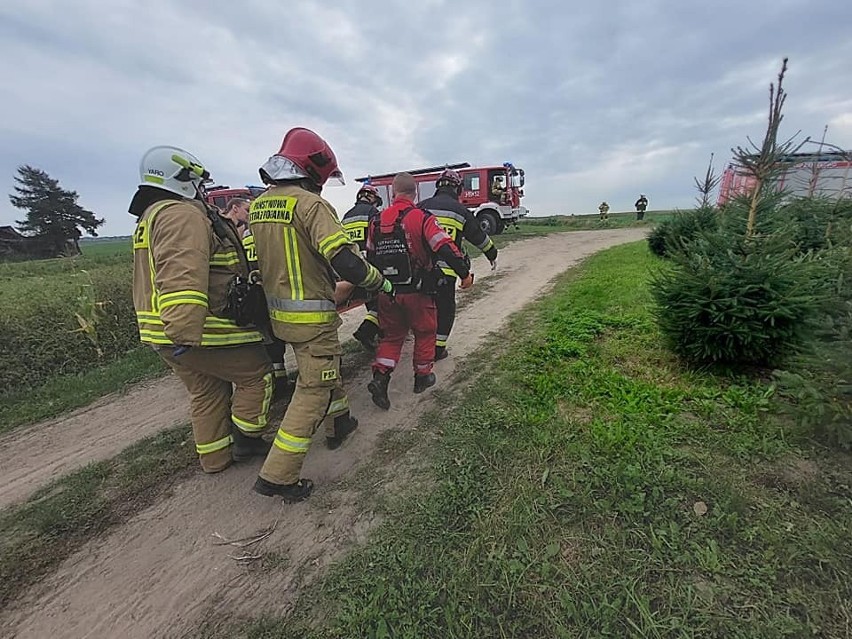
(296, 235)
(181, 271)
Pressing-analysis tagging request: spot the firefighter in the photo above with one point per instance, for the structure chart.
(641, 204)
(460, 224)
(604, 211)
(355, 223)
(300, 245)
(237, 210)
(181, 270)
(402, 242)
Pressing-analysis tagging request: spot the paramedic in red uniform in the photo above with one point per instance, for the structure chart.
(404, 242)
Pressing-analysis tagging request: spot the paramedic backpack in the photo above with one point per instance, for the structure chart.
(391, 256)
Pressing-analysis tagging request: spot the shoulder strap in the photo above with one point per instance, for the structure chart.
(225, 232)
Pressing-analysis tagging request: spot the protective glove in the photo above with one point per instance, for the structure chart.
(387, 289)
(466, 282)
(494, 264)
(180, 350)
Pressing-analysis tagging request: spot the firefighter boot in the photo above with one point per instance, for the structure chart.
(343, 426)
(368, 335)
(245, 447)
(290, 493)
(441, 353)
(422, 382)
(378, 388)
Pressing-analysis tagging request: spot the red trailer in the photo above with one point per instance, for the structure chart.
(492, 193)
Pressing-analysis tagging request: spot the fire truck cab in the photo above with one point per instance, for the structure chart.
(218, 196)
(492, 193)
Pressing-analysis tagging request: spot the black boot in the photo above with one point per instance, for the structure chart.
(378, 388)
(368, 335)
(343, 426)
(246, 447)
(422, 382)
(291, 493)
(441, 353)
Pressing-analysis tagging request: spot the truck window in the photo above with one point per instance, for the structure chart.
(471, 182)
(219, 202)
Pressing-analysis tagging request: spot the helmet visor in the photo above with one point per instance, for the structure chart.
(336, 178)
(280, 168)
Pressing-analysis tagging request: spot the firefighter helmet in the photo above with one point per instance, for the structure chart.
(174, 170)
(303, 154)
(449, 177)
(369, 189)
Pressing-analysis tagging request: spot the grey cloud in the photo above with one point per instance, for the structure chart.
(594, 101)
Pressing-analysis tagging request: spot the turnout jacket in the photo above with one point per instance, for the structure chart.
(357, 221)
(459, 223)
(296, 237)
(181, 271)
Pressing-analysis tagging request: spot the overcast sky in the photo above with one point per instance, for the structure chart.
(595, 100)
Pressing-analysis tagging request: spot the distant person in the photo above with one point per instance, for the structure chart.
(641, 204)
(403, 243)
(604, 210)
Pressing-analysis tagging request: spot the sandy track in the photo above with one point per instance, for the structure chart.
(161, 575)
(100, 430)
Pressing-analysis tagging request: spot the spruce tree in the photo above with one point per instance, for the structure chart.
(53, 214)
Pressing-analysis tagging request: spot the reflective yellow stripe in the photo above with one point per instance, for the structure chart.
(212, 447)
(338, 406)
(332, 242)
(182, 297)
(151, 270)
(207, 339)
(229, 339)
(373, 277)
(225, 259)
(371, 317)
(154, 337)
(294, 317)
(291, 443)
(294, 270)
(144, 317)
(251, 427)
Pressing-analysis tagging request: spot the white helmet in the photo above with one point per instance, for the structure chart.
(174, 170)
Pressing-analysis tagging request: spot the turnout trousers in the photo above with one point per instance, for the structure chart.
(445, 303)
(319, 398)
(407, 311)
(229, 386)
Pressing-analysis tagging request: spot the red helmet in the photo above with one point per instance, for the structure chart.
(369, 189)
(449, 177)
(310, 153)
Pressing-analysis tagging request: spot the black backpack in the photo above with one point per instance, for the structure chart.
(391, 255)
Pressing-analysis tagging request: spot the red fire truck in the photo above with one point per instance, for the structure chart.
(218, 196)
(492, 193)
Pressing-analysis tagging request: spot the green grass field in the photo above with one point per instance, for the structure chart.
(587, 485)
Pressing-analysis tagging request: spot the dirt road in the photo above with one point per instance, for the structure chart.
(162, 574)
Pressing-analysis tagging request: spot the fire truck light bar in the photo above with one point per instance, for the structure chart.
(431, 169)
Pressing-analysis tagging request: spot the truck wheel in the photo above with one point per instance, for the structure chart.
(501, 226)
(488, 222)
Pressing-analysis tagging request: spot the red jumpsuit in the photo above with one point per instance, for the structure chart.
(412, 311)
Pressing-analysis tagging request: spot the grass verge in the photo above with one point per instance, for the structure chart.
(586, 485)
(67, 392)
(37, 535)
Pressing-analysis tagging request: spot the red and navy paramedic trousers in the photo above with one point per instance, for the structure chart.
(407, 311)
